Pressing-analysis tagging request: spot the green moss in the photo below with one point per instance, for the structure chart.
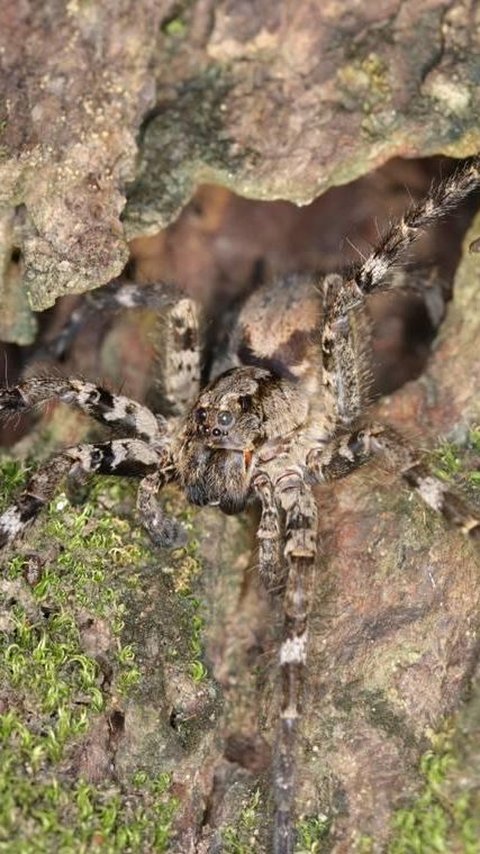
(435, 822)
(49, 815)
(12, 477)
(242, 839)
(70, 579)
(175, 27)
(459, 462)
(186, 570)
(365, 844)
(312, 833)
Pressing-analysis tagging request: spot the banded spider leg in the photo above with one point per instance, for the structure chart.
(345, 445)
(141, 457)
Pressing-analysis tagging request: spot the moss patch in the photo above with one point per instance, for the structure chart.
(440, 820)
(312, 834)
(243, 838)
(64, 674)
(459, 461)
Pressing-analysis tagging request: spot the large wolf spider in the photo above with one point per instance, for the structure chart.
(255, 435)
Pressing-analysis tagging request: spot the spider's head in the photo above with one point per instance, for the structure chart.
(232, 418)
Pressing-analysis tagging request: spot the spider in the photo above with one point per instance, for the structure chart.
(255, 434)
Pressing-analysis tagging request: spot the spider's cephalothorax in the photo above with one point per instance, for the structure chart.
(234, 417)
(266, 433)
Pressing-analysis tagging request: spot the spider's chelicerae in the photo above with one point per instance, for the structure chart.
(256, 434)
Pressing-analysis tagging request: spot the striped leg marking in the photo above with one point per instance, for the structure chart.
(112, 410)
(299, 505)
(39, 491)
(270, 560)
(125, 457)
(347, 453)
(163, 530)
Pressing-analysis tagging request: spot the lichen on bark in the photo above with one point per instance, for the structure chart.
(279, 104)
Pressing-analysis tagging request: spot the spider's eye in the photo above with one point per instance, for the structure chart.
(224, 418)
(200, 415)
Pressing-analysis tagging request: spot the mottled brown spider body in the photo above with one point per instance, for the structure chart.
(231, 420)
(266, 430)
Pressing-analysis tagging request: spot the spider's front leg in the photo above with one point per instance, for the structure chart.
(112, 410)
(163, 531)
(121, 457)
(344, 454)
(39, 490)
(298, 504)
(270, 559)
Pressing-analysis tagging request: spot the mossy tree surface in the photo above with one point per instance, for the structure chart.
(105, 688)
(122, 665)
(67, 677)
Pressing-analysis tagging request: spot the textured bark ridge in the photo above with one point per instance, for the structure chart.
(269, 100)
(76, 84)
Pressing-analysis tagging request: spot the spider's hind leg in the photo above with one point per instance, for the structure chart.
(117, 295)
(371, 276)
(179, 354)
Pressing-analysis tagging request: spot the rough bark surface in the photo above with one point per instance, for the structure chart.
(273, 103)
(269, 100)
(398, 622)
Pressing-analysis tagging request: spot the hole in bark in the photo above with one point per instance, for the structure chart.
(116, 722)
(174, 719)
(223, 248)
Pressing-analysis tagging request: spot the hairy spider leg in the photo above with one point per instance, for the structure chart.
(269, 535)
(124, 457)
(345, 350)
(116, 295)
(40, 489)
(292, 494)
(163, 530)
(112, 410)
(180, 356)
(298, 504)
(446, 195)
(347, 453)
